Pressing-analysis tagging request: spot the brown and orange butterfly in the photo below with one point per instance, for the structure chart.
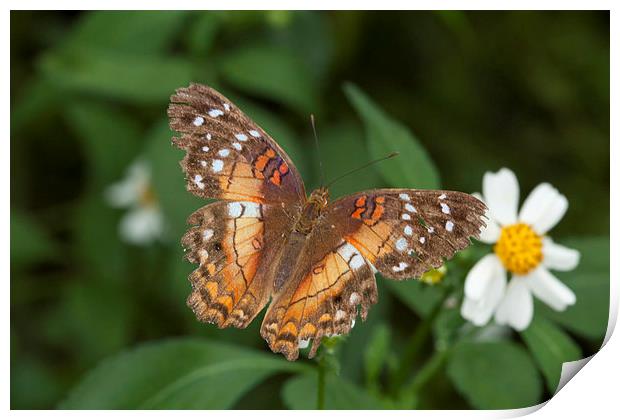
(266, 240)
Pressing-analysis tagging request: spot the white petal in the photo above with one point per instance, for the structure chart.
(479, 312)
(559, 257)
(501, 192)
(543, 208)
(490, 233)
(127, 191)
(517, 307)
(142, 225)
(546, 287)
(481, 275)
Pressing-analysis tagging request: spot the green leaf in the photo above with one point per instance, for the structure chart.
(300, 393)
(273, 73)
(376, 354)
(495, 375)
(201, 35)
(418, 296)
(413, 168)
(110, 138)
(123, 76)
(169, 181)
(98, 246)
(590, 282)
(550, 347)
(135, 32)
(29, 242)
(176, 374)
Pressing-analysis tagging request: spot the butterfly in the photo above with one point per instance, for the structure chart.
(265, 240)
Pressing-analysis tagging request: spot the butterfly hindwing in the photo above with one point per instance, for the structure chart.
(322, 300)
(227, 240)
(404, 233)
(228, 155)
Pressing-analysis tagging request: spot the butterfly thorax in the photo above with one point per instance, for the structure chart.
(312, 210)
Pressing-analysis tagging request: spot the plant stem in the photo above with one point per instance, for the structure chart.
(417, 340)
(320, 392)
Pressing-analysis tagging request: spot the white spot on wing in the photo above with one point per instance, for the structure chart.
(205, 148)
(410, 208)
(442, 196)
(198, 121)
(241, 137)
(401, 244)
(404, 196)
(430, 229)
(217, 165)
(444, 208)
(254, 133)
(354, 299)
(208, 136)
(203, 163)
(198, 182)
(357, 261)
(237, 145)
(224, 152)
(449, 226)
(346, 251)
(302, 344)
(401, 267)
(406, 216)
(235, 209)
(207, 234)
(408, 230)
(340, 314)
(214, 113)
(251, 209)
(422, 239)
(227, 107)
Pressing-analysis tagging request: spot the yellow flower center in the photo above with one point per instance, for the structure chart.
(147, 197)
(434, 275)
(519, 248)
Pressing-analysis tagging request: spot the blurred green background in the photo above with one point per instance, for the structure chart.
(89, 92)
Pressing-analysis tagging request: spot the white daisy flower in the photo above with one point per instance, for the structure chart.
(522, 249)
(144, 222)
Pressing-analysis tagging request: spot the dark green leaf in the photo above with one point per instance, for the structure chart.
(203, 31)
(550, 347)
(376, 354)
(300, 393)
(110, 138)
(29, 242)
(420, 297)
(495, 375)
(97, 244)
(590, 282)
(124, 76)
(413, 168)
(273, 73)
(135, 32)
(176, 374)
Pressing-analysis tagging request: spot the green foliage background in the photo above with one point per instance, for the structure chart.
(97, 323)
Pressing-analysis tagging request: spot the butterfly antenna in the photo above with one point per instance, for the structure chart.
(372, 162)
(318, 150)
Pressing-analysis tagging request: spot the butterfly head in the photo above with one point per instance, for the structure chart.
(320, 197)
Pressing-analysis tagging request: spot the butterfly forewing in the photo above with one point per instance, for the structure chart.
(405, 233)
(228, 155)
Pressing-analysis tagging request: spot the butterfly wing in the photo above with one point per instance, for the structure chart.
(231, 158)
(400, 233)
(322, 297)
(228, 155)
(404, 233)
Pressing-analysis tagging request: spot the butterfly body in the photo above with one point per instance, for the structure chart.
(265, 240)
